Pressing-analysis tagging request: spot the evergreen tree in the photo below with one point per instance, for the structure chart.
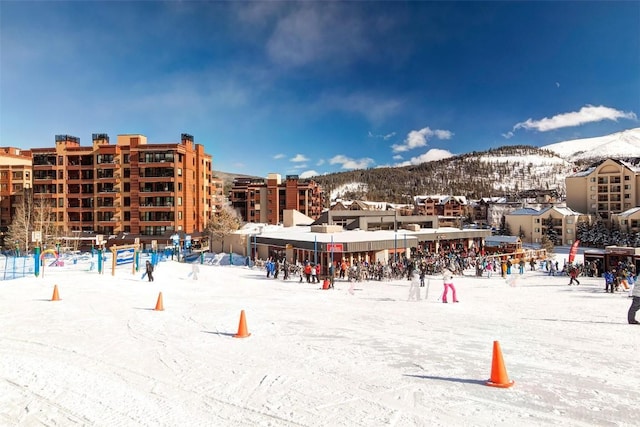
(547, 245)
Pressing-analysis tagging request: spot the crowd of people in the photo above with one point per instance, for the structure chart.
(622, 276)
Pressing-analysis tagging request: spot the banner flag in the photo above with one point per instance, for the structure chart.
(573, 251)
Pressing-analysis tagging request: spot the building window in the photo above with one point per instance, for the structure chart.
(179, 171)
(179, 201)
(179, 214)
(104, 158)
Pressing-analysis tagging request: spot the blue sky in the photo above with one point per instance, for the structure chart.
(314, 87)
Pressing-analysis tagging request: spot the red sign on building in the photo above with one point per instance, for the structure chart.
(334, 247)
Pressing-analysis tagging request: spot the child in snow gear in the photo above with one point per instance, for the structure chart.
(149, 269)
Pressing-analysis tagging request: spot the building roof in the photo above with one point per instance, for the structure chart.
(563, 210)
(630, 212)
(304, 234)
(525, 211)
(497, 240)
(439, 199)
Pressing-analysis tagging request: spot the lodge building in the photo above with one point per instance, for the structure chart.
(131, 186)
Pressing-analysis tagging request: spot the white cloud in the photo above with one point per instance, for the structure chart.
(385, 137)
(278, 156)
(430, 156)
(508, 135)
(418, 138)
(299, 158)
(320, 162)
(397, 157)
(300, 166)
(308, 174)
(587, 114)
(348, 163)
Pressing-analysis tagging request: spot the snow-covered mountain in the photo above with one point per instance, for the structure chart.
(504, 170)
(617, 145)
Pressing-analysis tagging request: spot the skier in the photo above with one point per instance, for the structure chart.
(447, 279)
(414, 290)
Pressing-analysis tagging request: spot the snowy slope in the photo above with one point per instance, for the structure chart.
(618, 145)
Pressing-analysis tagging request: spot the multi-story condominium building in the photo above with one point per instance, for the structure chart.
(131, 186)
(264, 201)
(611, 187)
(15, 180)
(557, 223)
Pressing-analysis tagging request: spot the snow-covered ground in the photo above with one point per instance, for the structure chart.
(357, 355)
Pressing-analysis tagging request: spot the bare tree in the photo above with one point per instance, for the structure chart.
(44, 222)
(224, 222)
(31, 215)
(20, 227)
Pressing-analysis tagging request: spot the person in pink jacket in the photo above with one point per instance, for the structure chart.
(447, 278)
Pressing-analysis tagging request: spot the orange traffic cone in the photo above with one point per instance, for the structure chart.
(55, 296)
(159, 306)
(499, 377)
(242, 327)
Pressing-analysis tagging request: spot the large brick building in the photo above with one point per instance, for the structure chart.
(130, 186)
(265, 200)
(15, 179)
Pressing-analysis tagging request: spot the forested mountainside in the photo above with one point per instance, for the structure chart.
(496, 172)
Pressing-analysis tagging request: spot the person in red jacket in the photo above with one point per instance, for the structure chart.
(573, 273)
(307, 271)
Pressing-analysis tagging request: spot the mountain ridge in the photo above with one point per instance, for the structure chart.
(504, 171)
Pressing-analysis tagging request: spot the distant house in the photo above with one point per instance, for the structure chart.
(452, 206)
